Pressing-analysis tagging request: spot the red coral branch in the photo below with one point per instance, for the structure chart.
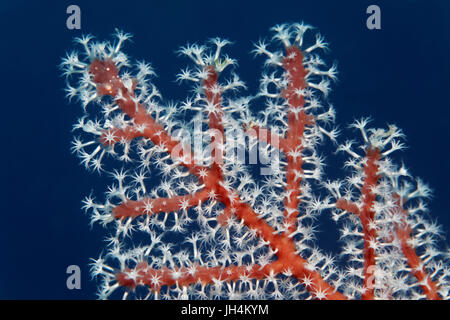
(403, 233)
(108, 81)
(375, 181)
(149, 206)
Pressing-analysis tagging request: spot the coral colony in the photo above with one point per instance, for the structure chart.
(210, 201)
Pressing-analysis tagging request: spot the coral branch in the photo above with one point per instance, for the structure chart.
(403, 233)
(157, 278)
(233, 233)
(297, 120)
(150, 206)
(349, 206)
(367, 216)
(108, 82)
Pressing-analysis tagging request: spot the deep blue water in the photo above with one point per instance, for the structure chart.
(399, 74)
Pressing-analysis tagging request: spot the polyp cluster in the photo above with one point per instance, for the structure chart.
(189, 215)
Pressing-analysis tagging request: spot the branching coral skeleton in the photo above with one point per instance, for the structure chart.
(212, 228)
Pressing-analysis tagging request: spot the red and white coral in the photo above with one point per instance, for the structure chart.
(212, 227)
